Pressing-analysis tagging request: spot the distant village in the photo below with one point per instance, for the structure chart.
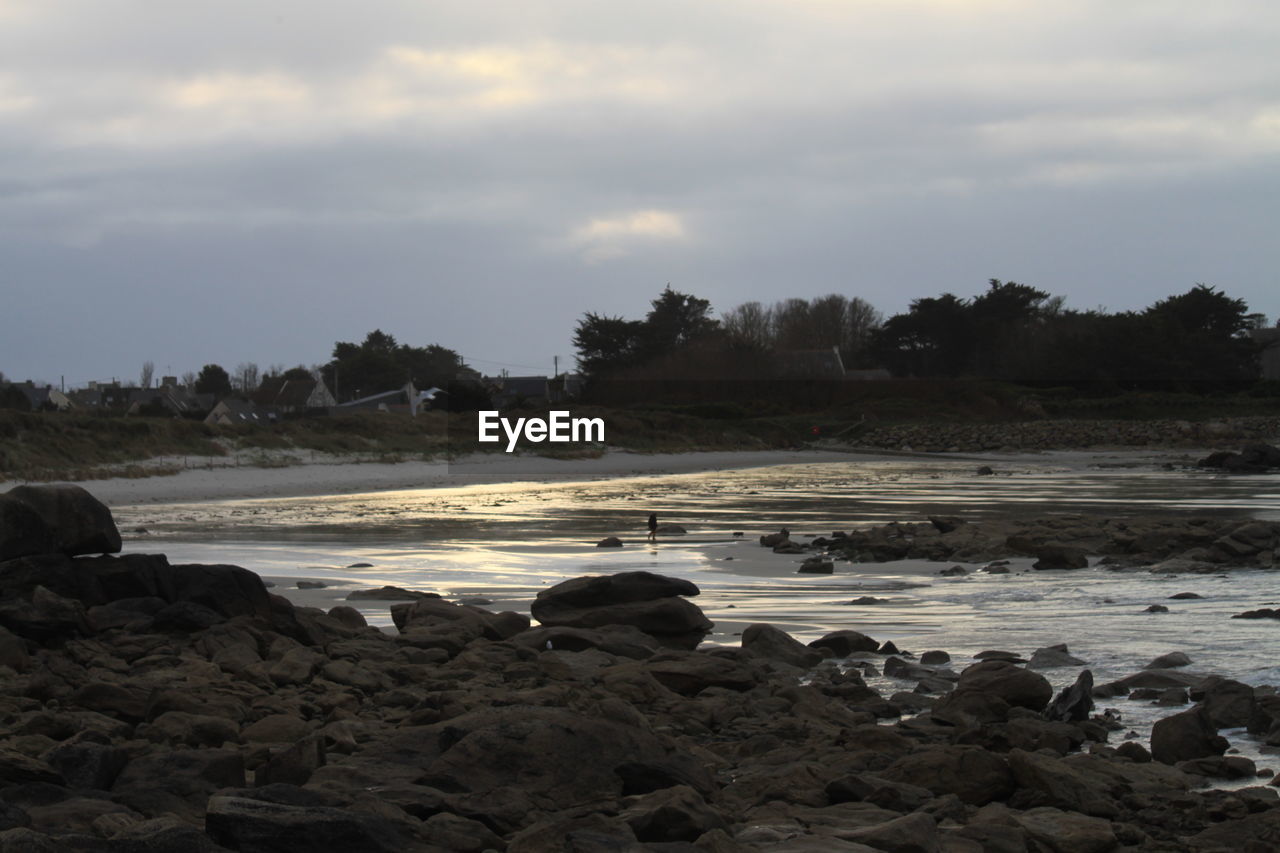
(277, 397)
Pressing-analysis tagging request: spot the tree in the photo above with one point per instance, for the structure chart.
(381, 364)
(213, 379)
(676, 319)
(933, 338)
(748, 327)
(246, 377)
(298, 372)
(606, 344)
(148, 371)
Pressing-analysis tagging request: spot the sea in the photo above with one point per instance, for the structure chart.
(503, 543)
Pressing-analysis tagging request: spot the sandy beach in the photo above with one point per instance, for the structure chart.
(323, 475)
(333, 476)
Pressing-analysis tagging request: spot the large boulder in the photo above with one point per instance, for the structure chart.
(973, 774)
(22, 530)
(643, 600)
(766, 641)
(1057, 556)
(241, 823)
(436, 613)
(1015, 685)
(554, 758)
(78, 522)
(1075, 702)
(845, 642)
(1184, 736)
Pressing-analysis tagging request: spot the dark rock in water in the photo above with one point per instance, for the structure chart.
(670, 530)
(997, 569)
(312, 585)
(1075, 702)
(889, 648)
(644, 600)
(1170, 697)
(772, 540)
(620, 588)
(1054, 556)
(1157, 608)
(360, 566)
(934, 658)
(766, 641)
(984, 471)
(609, 542)
(1052, 657)
(1015, 685)
(389, 593)
(997, 654)
(78, 522)
(1170, 661)
(788, 547)
(1184, 736)
(1183, 596)
(945, 524)
(1229, 704)
(1261, 613)
(816, 566)
(844, 643)
(867, 600)
(22, 531)
(954, 571)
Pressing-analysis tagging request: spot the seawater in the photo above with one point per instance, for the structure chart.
(505, 543)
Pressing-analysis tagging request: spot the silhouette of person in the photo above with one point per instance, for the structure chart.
(653, 527)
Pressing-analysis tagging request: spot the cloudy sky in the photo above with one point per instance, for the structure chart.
(193, 182)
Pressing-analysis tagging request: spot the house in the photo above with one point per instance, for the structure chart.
(808, 364)
(1268, 341)
(47, 397)
(406, 399)
(168, 399)
(293, 396)
(232, 412)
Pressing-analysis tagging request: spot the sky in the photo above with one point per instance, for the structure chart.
(252, 180)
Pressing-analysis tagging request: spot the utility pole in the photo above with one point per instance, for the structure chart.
(556, 358)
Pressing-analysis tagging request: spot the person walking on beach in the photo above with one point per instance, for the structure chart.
(653, 527)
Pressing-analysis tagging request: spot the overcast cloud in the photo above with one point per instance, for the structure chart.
(223, 182)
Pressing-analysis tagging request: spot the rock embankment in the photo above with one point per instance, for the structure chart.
(1162, 543)
(151, 707)
(960, 437)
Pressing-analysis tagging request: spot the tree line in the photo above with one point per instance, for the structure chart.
(1009, 331)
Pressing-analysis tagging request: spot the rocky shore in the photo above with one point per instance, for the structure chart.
(146, 706)
(1062, 434)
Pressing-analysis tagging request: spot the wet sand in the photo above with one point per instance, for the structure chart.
(333, 476)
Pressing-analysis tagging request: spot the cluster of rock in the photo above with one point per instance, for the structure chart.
(960, 437)
(1256, 458)
(1166, 544)
(154, 707)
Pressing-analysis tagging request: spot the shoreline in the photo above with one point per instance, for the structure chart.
(331, 477)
